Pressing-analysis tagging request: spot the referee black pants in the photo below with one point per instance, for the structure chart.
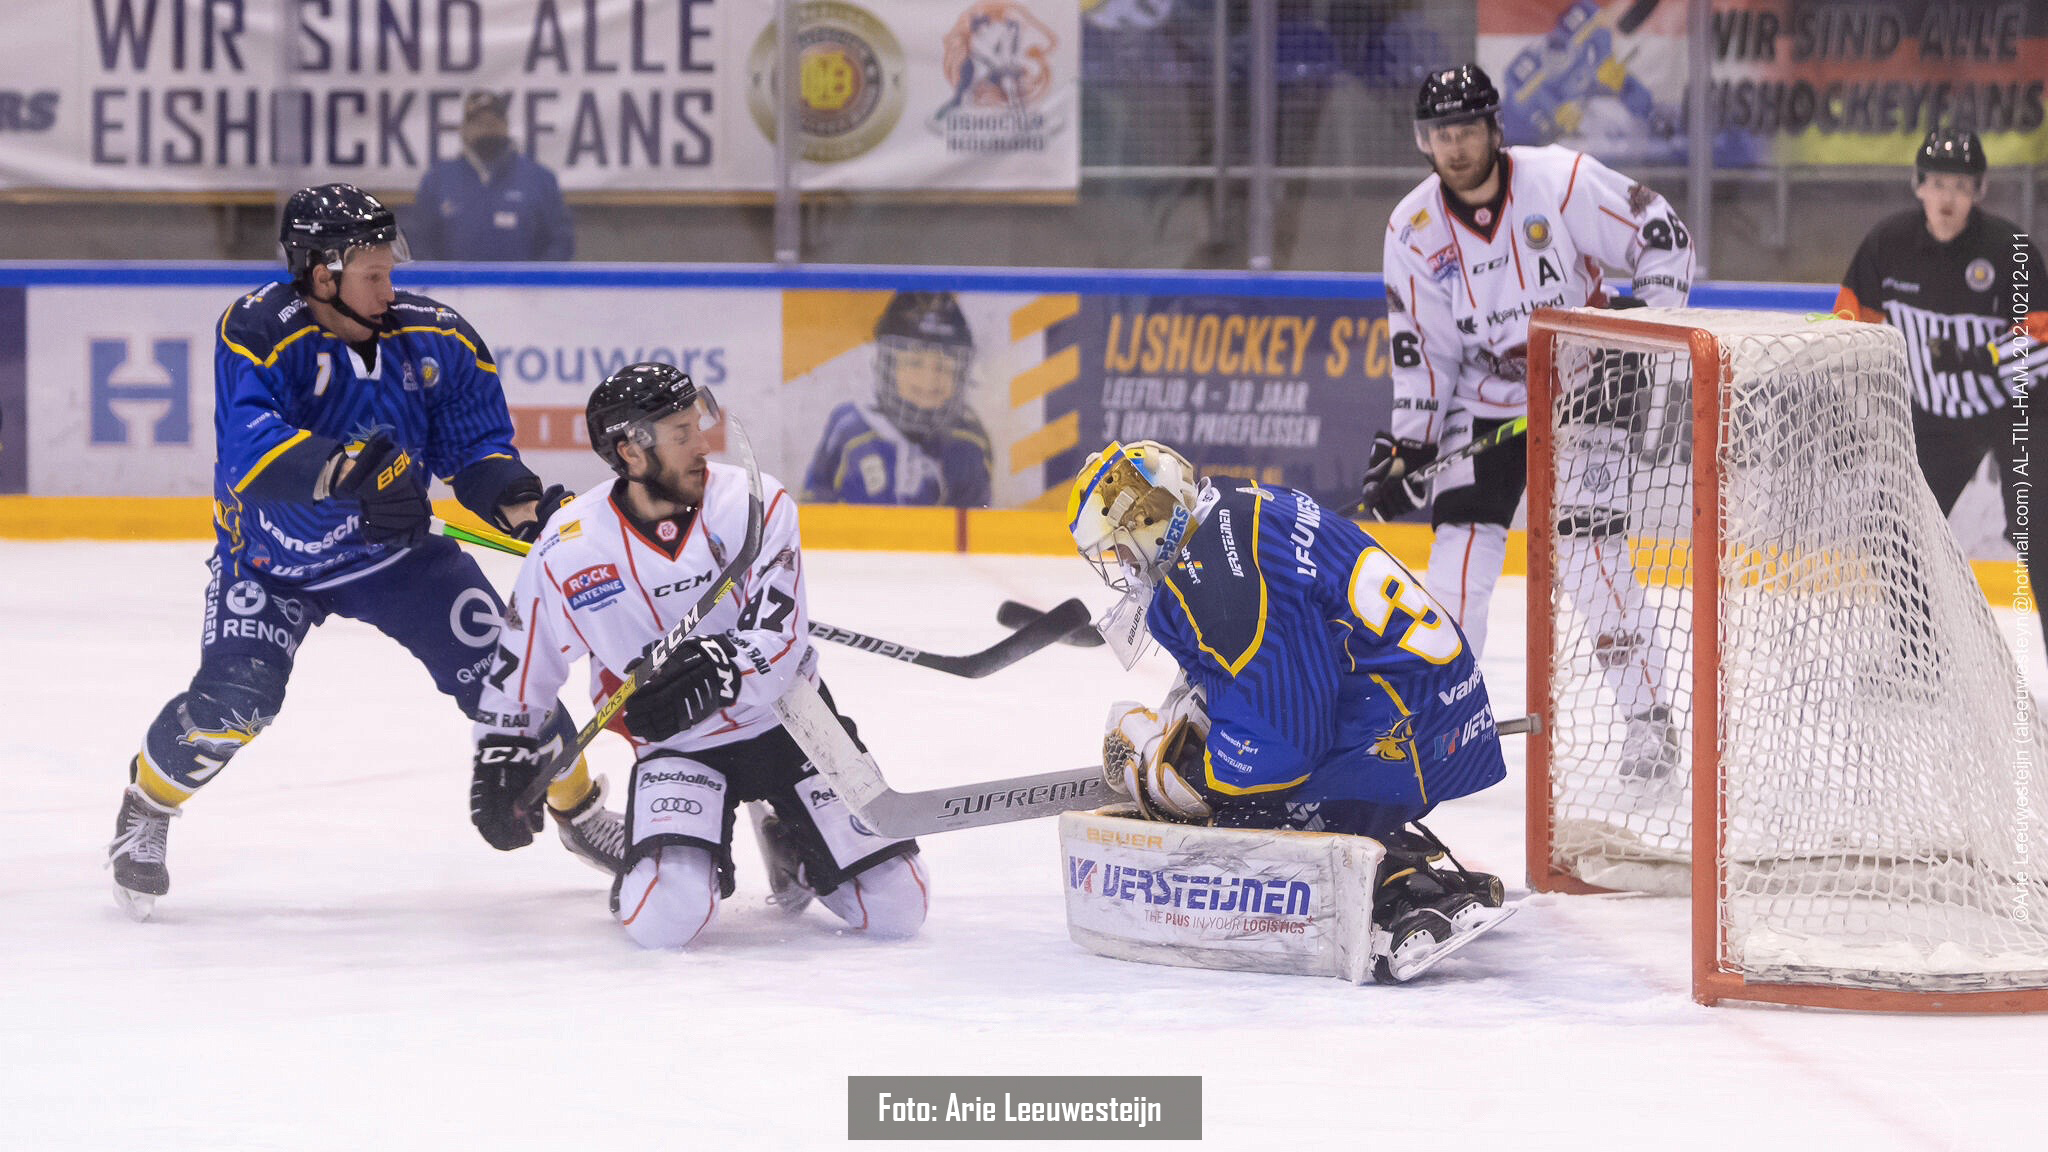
(1951, 448)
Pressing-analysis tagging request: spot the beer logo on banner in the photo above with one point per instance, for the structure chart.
(1536, 230)
(998, 65)
(1978, 275)
(849, 80)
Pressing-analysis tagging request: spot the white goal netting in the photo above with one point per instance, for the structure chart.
(1873, 740)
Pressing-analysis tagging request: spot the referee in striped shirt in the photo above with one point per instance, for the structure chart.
(1947, 275)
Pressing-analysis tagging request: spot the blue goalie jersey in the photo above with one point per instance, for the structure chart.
(1329, 672)
(287, 392)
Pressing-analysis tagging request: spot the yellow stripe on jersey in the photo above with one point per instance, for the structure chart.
(271, 455)
(481, 362)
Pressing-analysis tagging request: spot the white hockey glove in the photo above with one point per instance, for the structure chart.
(1145, 754)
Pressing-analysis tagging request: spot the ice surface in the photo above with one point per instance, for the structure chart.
(343, 963)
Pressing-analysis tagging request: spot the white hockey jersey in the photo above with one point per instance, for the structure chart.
(595, 586)
(1461, 288)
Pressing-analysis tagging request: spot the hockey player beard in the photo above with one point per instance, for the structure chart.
(667, 483)
(1463, 175)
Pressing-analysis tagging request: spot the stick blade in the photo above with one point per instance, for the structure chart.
(1012, 614)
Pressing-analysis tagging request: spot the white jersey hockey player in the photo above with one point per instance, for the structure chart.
(1494, 234)
(615, 569)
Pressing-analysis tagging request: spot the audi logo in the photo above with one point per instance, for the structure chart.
(682, 804)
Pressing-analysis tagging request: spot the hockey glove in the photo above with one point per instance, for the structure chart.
(1943, 355)
(700, 677)
(503, 767)
(1389, 490)
(1149, 756)
(546, 504)
(390, 490)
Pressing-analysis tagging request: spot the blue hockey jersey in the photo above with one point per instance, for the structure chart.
(864, 459)
(1329, 672)
(287, 393)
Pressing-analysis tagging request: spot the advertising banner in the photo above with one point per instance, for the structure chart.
(1793, 83)
(613, 95)
(1276, 390)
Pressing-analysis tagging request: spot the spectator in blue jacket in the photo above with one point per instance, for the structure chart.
(492, 202)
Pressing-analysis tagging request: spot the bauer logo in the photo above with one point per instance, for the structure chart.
(592, 586)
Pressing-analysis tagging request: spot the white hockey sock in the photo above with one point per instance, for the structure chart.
(1464, 564)
(1597, 574)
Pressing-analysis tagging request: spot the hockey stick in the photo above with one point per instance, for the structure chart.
(640, 671)
(1043, 630)
(1047, 629)
(1012, 614)
(902, 815)
(1495, 439)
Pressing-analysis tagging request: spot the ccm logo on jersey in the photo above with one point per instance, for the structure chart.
(594, 585)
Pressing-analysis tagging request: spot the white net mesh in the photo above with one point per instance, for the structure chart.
(1873, 734)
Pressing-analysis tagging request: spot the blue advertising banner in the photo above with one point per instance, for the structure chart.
(1283, 391)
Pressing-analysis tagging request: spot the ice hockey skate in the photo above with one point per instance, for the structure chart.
(1422, 914)
(141, 836)
(786, 888)
(593, 833)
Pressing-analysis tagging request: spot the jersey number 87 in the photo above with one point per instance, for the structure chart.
(1379, 585)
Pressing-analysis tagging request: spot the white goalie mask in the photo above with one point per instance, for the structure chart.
(1130, 511)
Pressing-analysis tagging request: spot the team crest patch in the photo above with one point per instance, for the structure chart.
(1420, 220)
(1443, 262)
(573, 530)
(409, 380)
(1398, 742)
(592, 586)
(1639, 197)
(666, 530)
(1978, 275)
(430, 371)
(1536, 230)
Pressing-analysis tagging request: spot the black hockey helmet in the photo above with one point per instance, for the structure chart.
(321, 225)
(1950, 150)
(635, 397)
(929, 322)
(1454, 94)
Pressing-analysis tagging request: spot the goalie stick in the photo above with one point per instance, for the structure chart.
(724, 584)
(1014, 614)
(904, 815)
(1043, 629)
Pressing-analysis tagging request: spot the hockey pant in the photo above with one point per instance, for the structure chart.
(1474, 502)
(433, 599)
(680, 814)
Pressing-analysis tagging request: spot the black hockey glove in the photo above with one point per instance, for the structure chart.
(1388, 491)
(391, 491)
(547, 503)
(700, 677)
(504, 766)
(1944, 356)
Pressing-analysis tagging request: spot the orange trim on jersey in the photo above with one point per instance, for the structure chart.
(1422, 341)
(1463, 278)
(1618, 216)
(2037, 326)
(1571, 184)
(632, 566)
(566, 616)
(533, 614)
(1515, 250)
(645, 893)
(1465, 566)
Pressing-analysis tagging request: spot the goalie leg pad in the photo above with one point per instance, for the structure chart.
(888, 899)
(668, 897)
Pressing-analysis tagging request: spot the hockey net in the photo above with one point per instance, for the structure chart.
(1767, 675)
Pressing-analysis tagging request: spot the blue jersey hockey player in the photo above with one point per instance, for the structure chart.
(335, 396)
(917, 442)
(1321, 689)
